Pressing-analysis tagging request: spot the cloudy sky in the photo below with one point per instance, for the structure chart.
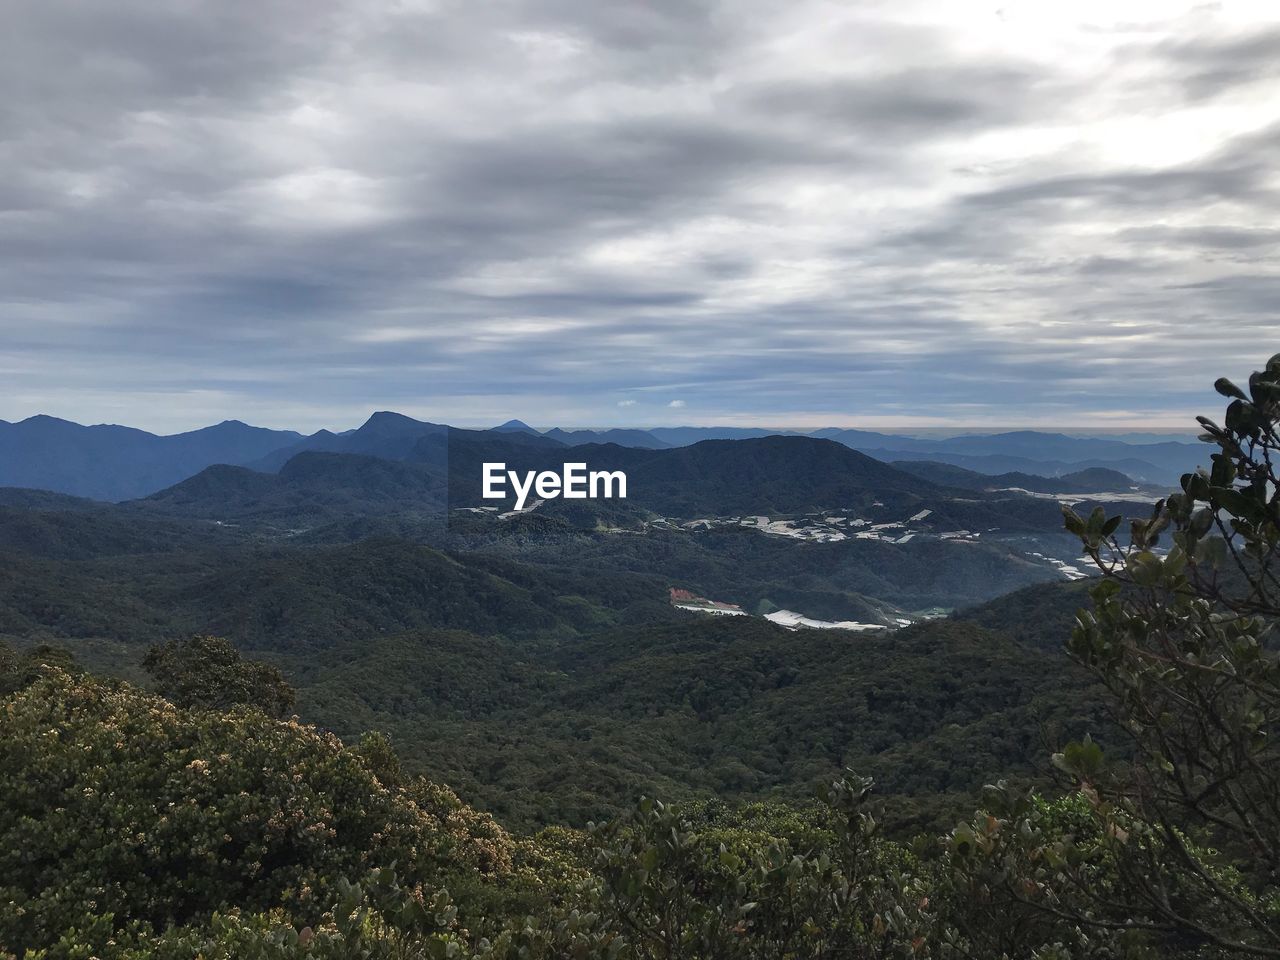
(864, 213)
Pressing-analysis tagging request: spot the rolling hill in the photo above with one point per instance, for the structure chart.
(311, 488)
(1035, 452)
(1093, 480)
(712, 477)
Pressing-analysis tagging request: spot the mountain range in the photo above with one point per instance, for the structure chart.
(116, 463)
(777, 522)
(108, 462)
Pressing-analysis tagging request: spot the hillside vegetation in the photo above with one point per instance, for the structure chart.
(570, 732)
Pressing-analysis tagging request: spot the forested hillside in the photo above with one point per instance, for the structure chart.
(567, 733)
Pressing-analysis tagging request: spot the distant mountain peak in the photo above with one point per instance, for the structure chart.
(228, 425)
(388, 416)
(513, 425)
(388, 421)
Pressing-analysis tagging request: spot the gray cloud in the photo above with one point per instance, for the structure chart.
(884, 109)
(1206, 66)
(297, 212)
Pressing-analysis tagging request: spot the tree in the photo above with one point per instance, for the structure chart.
(1182, 639)
(208, 673)
(19, 669)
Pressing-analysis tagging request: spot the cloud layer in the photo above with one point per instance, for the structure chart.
(806, 213)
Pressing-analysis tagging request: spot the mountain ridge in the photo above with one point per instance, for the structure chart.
(111, 462)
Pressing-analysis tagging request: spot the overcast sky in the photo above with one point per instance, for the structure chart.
(587, 212)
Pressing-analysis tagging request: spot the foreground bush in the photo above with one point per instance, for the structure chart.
(132, 829)
(122, 814)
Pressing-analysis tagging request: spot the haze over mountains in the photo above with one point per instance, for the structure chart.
(116, 463)
(109, 462)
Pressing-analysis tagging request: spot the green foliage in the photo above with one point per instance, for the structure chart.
(677, 892)
(1038, 878)
(20, 669)
(1039, 616)
(208, 673)
(78, 532)
(309, 599)
(570, 732)
(1182, 640)
(380, 757)
(135, 829)
(123, 815)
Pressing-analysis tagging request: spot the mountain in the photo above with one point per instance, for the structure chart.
(1034, 452)
(410, 477)
(894, 560)
(683, 436)
(623, 438)
(107, 462)
(995, 464)
(1144, 457)
(765, 475)
(773, 474)
(770, 476)
(391, 436)
(514, 426)
(1098, 479)
(22, 498)
(312, 488)
(1095, 480)
(947, 474)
